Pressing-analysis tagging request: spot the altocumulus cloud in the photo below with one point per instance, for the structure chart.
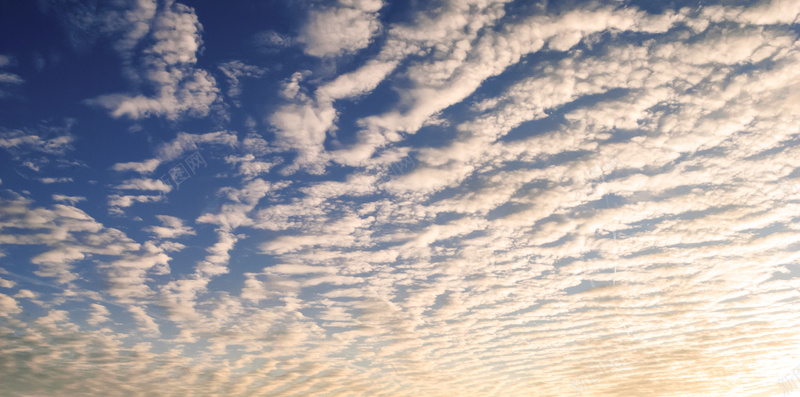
(470, 198)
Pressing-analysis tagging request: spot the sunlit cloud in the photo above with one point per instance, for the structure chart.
(360, 198)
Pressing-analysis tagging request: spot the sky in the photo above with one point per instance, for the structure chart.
(399, 198)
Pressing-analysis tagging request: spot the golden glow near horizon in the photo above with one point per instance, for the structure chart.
(368, 198)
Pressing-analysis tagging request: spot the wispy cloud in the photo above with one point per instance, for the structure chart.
(17, 141)
(8, 79)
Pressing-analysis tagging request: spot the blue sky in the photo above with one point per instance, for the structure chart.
(375, 198)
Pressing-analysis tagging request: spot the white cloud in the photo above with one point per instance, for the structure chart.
(26, 294)
(168, 152)
(344, 28)
(30, 142)
(49, 180)
(144, 167)
(168, 63)
(248, 166)
(173, 227)
(271, 40)
(361, 81)
(145, 322)
(127, 276)
(98, 315)
(297, 269)
(234, 71)
(10, 78)
(172, 150)
(144, 184)
(768, 12)
(7, 283)
(8, 306)
(236, 213)
(123, 201)
(440, 83)
(631, 205)
(7, 78)
(304, 127)
(71, 200)
(178, 297)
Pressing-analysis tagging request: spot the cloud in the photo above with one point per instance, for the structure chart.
(173, 227)
(234, 71)
(248, 166)
(5, 60)
(49, 180)
(6, 283)
(26, 294)
(167, 63)
(236, 213)
(7, 78)
(178, 297)
(184, 143)
(123, 201)
(10, 78)
(38, 152)
(340, 29)
(18, 141)
(440, 83)
(8, 306)
(271, 41)
(174, 149)
(127, 275)
(82, 21)
(145, 322)
(98, 315)
(144, 167)
(769, 12)
(192, 95)
(297, 269)
(168, 152)
(303, 127)
(144, 184)
(609, 185)
(71, 200)
(65, 234)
